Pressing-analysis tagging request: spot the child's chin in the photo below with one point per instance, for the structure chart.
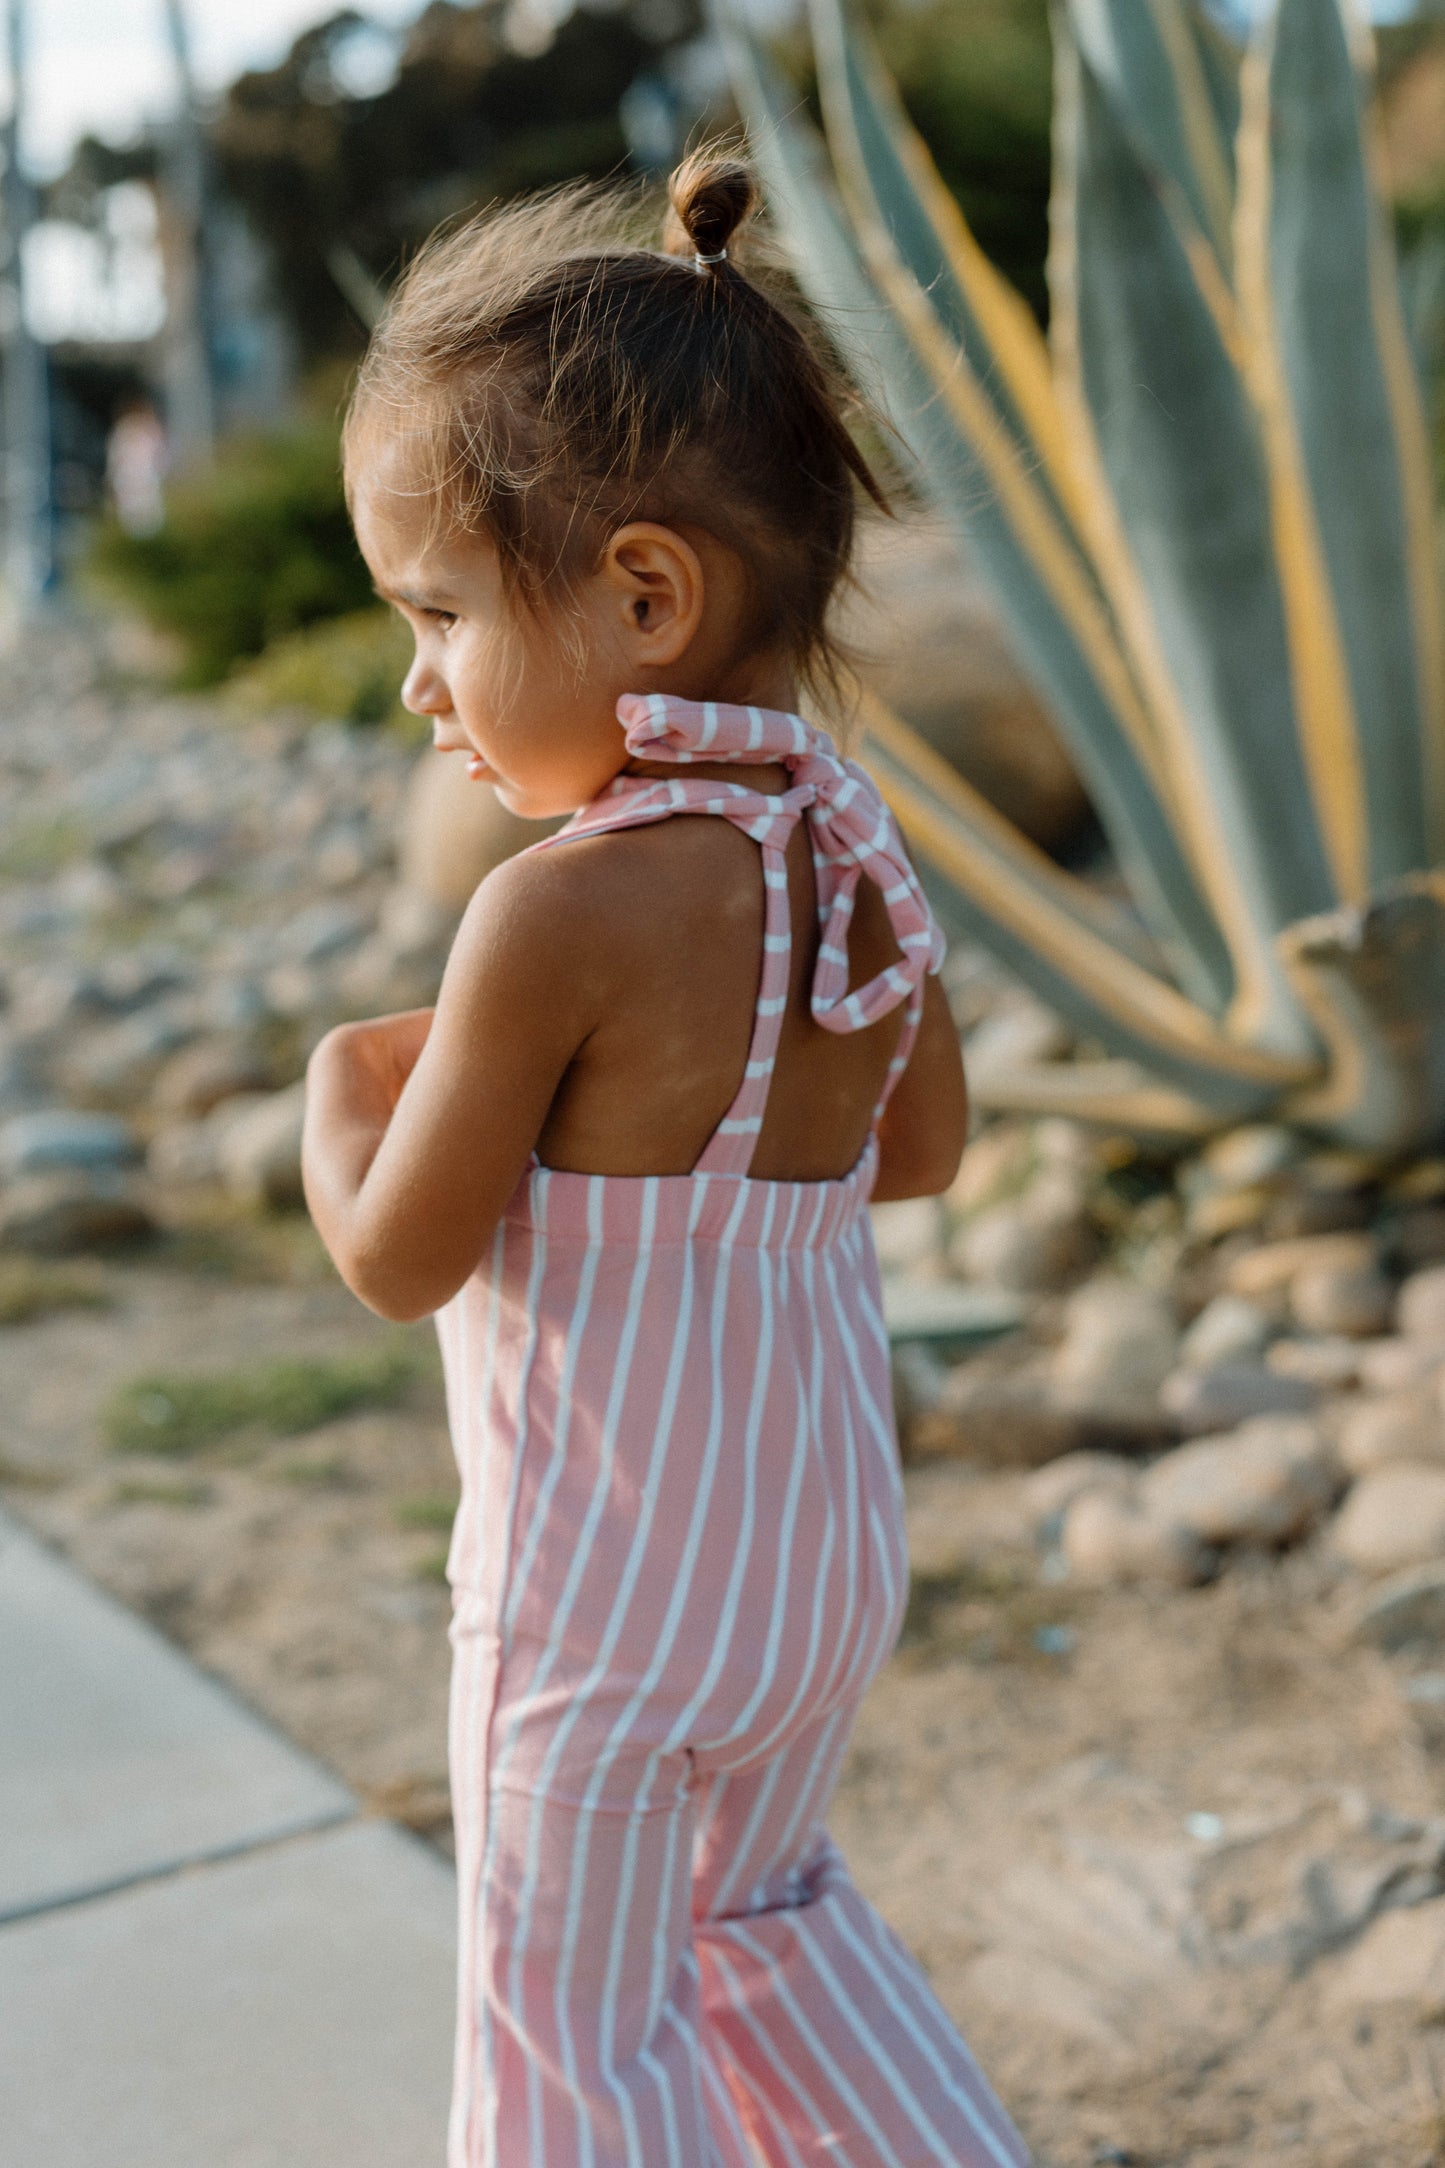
(528, 805)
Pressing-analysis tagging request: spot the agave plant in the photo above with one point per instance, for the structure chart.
(1204, 506)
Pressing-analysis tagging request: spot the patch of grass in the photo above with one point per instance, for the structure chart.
(349, 668)
(34, 848)
(225, 1241)
(172, 1412)
(434, 1511)
(31, 1289)
(431, 1568)
(329, 1474)
(142, 1493)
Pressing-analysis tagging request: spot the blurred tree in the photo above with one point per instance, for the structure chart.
(976, 77)
(338, 184)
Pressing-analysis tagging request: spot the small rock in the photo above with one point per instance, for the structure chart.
(1391, 1519)
(323, 931)
(1399, 1958)
(1228, 1329)
(1243, 1158)
(1402, 1426)
(1050, 1491)
(56, 1215)
(1109, 1537)
(1421, 1314)
(917, 1310)
(1353, 1300)
(1405, 1611)
(1418, 1237)
(1015, 1035)
(1231, 1393)
(1339, 1168)
(1119, 1345)
(1330, 1361)
(57, 1138)
(1225, 1212)
(1270, 1269)
(1265, 1483)
(1033, 1247)
(120, 1061)
(1298, 1212)
(994, 1166)
(907, 1234)
(259, 1151)
(1387, 1366)
(1421, 1183)
(202, 1076)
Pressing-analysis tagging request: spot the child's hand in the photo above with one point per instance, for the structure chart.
(370, 1062)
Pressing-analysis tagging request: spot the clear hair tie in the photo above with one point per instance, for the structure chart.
(700, 263)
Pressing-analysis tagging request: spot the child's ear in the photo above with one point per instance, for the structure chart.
(656, 581)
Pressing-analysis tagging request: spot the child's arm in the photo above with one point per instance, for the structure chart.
(925, 1123)
(418, 1127)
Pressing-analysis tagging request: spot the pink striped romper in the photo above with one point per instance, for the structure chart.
(678, 1562)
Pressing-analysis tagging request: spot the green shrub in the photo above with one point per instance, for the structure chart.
(174, 1413)
(349, 668)
(250, 551)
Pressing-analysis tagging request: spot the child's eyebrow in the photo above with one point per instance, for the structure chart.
(414, 600)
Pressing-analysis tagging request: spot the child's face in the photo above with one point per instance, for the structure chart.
(662, 611)
(497, 683)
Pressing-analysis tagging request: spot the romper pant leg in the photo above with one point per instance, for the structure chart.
(578, 2023)
(823, 2026)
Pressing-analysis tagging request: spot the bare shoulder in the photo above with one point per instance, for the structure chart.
(595, 894)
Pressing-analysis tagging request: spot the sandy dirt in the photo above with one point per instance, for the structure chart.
(1131, 1836)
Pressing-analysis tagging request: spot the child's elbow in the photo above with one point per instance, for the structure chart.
(916, 1167)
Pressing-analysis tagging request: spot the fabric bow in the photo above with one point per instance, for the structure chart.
(853, 832)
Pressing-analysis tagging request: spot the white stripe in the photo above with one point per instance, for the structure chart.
(557, 1460)
(637, 1551)
(562, 1616)
(773, 1005)
(742, 1551)
(476, 1481)
(827, 2063)
(868, 2036)
(817, 1785)
(541, 1184)
(887, 1956)
(827, 2139)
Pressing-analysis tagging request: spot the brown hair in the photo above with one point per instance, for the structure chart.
(550, 379)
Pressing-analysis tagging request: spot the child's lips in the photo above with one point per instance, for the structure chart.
(478, 770)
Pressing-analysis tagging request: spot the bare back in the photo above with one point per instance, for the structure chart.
(681, 920)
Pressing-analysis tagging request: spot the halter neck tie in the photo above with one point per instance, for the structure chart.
(851, 830)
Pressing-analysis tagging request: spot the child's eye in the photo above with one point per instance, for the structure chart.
(445, 618)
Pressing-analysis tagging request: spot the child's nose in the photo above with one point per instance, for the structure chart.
(423, 692)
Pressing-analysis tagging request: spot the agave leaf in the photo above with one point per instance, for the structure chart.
(992, 488)
(1347, 446)
(1219, 62)
(1148, 56)
(1049, 929)
(1373, 976)
(1112, 1094)
(1149, 348)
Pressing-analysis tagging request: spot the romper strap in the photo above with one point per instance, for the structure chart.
(729, 1150)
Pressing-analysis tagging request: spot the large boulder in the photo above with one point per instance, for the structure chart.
(1392, 1518)
(453, 831)
(1265, 1483)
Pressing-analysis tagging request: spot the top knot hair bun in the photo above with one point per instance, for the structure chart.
(711, 196)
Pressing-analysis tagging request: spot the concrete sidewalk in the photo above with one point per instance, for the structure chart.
(206, 1954)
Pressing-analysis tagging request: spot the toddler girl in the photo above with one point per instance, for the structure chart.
(611, 490)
